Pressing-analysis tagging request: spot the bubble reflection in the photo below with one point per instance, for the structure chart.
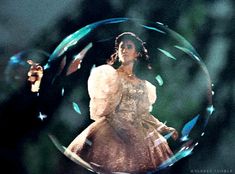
(77, 60)
(166, 53)
(76, 108)
(74, 38)
(176, 102)
(188, 128)
(154, 28)
(159, 80)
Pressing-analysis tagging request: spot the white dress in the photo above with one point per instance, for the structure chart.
(124, 137)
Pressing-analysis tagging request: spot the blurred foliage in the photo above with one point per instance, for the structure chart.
(208, 25)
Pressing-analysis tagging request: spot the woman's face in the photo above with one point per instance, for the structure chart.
(127, 52)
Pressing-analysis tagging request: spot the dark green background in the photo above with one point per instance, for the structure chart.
(207, 24)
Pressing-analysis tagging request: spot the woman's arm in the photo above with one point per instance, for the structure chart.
(35, 75)
(161, 127)
(104, 89)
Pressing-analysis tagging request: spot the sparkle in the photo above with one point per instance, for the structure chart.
(184, 138)
(62, 92)
(213, 93)
(203, 133)
(160, 23)
(42, 116)
(182, 149)
(47, 66)
(211, 109)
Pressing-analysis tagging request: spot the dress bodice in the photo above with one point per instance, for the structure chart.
(134, 97)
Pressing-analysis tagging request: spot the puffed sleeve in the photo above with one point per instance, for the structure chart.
(104, 89)
(152, 95)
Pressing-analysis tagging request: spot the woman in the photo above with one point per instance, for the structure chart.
(125, 137)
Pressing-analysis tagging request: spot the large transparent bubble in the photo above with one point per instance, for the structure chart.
(184, 89)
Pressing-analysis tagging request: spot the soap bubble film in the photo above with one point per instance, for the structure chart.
(184, 89)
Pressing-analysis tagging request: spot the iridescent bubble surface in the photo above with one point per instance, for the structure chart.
(184, 94)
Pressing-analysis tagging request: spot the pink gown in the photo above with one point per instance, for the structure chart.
(125, 137)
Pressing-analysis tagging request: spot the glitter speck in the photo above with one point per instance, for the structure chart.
(42, 116)
(211, 109)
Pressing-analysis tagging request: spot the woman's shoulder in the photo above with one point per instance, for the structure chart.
(102, 81)
(149, 85)
(103, 73)
(104, 68)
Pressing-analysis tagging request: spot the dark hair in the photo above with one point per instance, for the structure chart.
(139, 44)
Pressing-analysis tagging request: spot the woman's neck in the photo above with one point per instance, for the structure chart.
(128, 68)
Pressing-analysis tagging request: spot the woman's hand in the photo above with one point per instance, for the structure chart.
(175, 133)
(35, 75)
